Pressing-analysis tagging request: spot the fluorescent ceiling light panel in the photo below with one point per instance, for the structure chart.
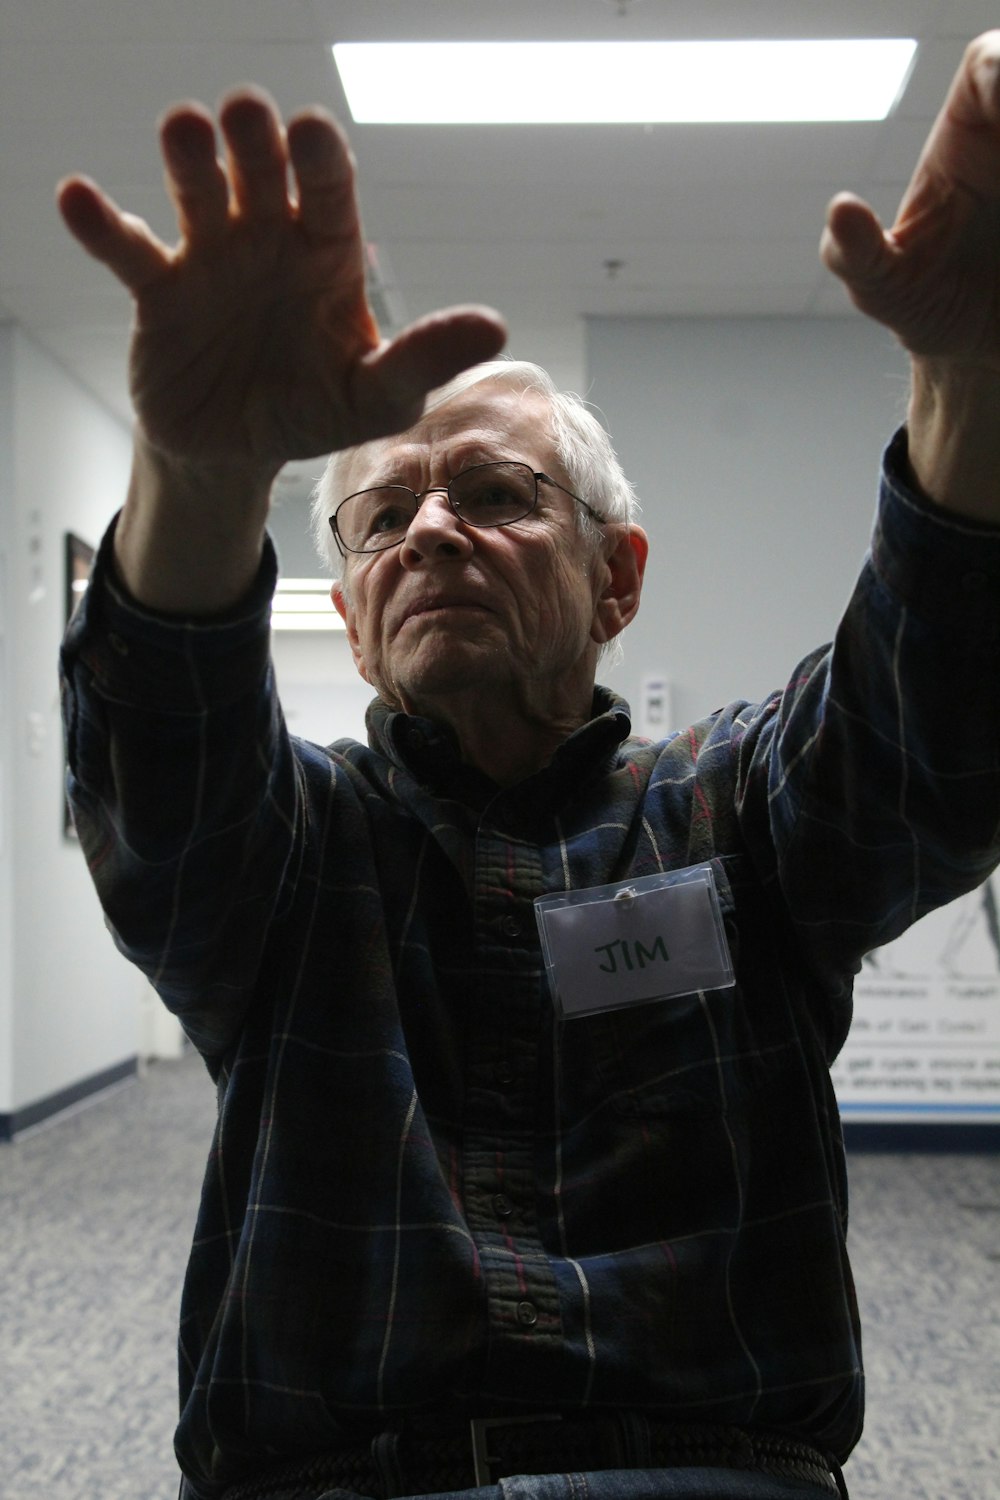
(506, 83)
(304, 604)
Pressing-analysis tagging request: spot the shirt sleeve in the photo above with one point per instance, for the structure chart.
(182, 783)
(883, 773)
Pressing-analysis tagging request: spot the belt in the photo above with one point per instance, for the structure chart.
(425, 1461)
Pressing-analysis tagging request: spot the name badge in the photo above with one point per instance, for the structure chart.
(612, 946)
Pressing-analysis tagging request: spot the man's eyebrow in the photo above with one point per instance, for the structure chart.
(486, 453)
(466, 456)
(377, 480)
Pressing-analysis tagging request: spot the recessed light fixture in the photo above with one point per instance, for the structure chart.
(508, 83)
(304, 604)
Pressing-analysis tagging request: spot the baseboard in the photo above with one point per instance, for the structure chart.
(906, 1135)
(43, 1109)
(859, 1135)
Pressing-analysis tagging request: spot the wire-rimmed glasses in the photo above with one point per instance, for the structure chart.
(494, 494)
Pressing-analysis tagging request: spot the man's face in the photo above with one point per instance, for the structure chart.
(457, 610)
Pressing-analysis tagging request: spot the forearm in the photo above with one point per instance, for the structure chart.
(884, 800)
(183, 786)
(190, 535)
(954, 437)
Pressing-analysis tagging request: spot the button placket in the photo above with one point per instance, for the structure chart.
(501, 1096)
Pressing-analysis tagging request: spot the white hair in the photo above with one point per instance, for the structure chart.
(582, 447)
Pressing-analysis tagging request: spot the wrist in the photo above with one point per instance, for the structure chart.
(190, 535)
(228, 483)
(953, 426)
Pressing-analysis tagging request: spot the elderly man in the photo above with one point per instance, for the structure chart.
(472, 1218)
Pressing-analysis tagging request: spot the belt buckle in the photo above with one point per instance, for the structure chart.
(479, 1429)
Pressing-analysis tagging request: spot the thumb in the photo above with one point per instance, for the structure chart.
(118, 240)
(391, 383)
(853, 245)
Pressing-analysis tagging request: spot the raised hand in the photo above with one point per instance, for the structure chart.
(934, 278)
(253, 342)
(252, 335)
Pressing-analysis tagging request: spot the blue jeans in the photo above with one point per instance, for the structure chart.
(632, 1484)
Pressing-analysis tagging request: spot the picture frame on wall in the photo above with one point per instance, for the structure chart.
(79, 559)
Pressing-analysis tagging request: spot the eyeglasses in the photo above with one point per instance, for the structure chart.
(485, 495)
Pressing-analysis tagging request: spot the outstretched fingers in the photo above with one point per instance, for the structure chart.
(325, 176)
(256, 154)
(120, 241)
(965, 140)
(193, 173)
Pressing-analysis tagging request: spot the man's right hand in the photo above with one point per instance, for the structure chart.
(253, 341)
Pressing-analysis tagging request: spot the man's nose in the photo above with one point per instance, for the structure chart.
(435, 529)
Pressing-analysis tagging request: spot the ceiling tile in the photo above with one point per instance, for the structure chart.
(710, 220)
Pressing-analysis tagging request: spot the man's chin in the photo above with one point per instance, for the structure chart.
(432, 682)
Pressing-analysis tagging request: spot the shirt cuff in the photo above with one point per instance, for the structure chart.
(162, 662)
(942, 566)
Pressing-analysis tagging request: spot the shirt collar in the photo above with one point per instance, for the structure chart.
(429, 751)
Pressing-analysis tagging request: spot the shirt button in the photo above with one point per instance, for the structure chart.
(502, 1206)
(527, 1314)
(117, 644)
(511, 926)
(975, 582)
(504, 1072)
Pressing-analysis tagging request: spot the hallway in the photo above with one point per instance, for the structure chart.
(97, 1210)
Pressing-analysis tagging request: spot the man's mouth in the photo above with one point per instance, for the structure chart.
(421, 608)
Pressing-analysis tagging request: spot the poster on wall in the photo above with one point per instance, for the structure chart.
(925, 1044)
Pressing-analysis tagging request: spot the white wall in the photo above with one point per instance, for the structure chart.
(6, 722)
(71, 1008)
(69, 1004)
(754, 445)
(322, 696)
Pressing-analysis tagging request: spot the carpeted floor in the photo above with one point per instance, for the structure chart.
(96, 1211)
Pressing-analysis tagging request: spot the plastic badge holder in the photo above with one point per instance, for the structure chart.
(612, 946)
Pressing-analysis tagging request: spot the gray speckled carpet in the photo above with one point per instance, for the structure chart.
(96, 1210)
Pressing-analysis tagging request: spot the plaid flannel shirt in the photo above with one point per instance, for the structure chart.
(426, 1192)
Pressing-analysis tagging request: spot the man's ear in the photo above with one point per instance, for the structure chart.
(619, 598)
(346, 613)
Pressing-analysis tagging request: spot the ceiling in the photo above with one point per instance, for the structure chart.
(549, 224)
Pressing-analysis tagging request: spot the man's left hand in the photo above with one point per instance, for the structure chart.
(934, 279)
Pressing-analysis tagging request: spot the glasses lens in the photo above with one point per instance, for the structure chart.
(375, 519)
(493, 494)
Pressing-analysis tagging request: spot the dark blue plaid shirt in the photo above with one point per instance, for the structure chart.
(425, 1191)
